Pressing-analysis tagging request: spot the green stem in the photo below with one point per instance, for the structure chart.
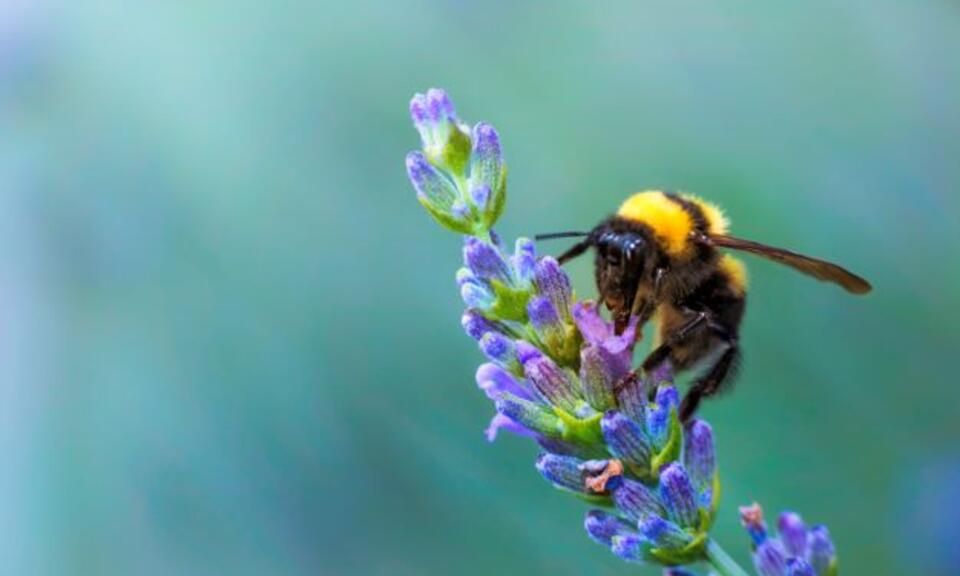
(722, 562)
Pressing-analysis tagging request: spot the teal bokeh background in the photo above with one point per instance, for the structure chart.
(229, 335)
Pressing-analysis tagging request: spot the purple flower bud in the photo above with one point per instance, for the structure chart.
(418, 109)
(555, 384)
(524, 260)
(678, 496)
(486, 165)
(528, 414)
(432, 188)
(599, 375)
(636, 500)
(658, 419)
(793, 533)
(480, 195)
(602, 527)
(822, 552)
(476, 325)
(799, 567)
(678, 572)
(500, 349)
(562, 471)
(527, 352)
(699, 457)
(629, 547)
(439, 106)
(494, 381)
(485, 261)
(543, 315)
(625, 439)
(460, 209)
(769, 558)
(552, 282)
(663, 533)
(546, 322)
(632, 394)
(499, 421)
(476, 296)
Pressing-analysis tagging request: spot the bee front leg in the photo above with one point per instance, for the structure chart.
(698, 321)
(643, 307)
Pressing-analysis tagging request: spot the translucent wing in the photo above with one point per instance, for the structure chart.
(819, 269)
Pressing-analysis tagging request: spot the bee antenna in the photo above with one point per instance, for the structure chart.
(552, 235)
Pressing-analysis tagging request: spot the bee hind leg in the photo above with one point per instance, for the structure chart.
(716, 379)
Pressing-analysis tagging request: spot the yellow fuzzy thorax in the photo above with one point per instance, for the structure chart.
(670, 223)
(735, 271)
(717, 222)
(668, 219)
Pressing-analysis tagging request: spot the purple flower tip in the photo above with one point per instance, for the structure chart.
(602, 527)
(486, 141)
(543, 315)
(527, 352)
(476, 325)
(793, 533)
(822, 552)
(667, 397)
(635, 500)
(625, 439)
(663, 533)
(498, 348)
(553, 283)
(699, 456)
(562, 471)
(679, 496)
(418, 108)
(480, 195)
(485, 260)
(439, 106)
(628, 547)
(501, 421)
(769, 558)
(799, 567)
(494, 381)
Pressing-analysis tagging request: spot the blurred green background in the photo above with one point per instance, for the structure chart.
(229, 335)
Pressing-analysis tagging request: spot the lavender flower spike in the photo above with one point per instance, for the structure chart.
(558, 373)
(460, 175)
(794, 551)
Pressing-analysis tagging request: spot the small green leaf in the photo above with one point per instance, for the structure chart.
(509, 303)
(497, 201)
(448, 220)
(692, 552)
(583, 431)
(455, 153)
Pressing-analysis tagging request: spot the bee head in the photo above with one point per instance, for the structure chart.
(624, 253)
(620, 262)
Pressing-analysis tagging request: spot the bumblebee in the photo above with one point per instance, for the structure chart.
(659, 258)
